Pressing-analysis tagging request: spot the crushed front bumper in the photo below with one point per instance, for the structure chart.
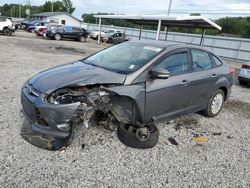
(46, 125)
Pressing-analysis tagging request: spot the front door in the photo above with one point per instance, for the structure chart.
(167, 98)
(67, 32)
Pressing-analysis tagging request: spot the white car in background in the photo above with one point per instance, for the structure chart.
(95, 34)
(6, 26)
(244, 75)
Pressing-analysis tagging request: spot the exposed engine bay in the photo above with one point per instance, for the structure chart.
(94, 107)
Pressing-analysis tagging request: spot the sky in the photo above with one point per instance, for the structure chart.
(210, 8)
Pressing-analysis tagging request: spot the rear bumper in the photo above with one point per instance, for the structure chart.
(244, 79)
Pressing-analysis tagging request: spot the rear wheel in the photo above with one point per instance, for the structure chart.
(57, 36)
(82, 39)
(215, 104)
(242, 82)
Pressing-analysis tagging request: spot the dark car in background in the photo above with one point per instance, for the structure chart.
(68, 32)
(129, 86)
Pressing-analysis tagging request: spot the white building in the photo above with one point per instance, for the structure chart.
(58, 18)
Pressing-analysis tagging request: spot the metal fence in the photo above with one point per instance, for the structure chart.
(237, 49)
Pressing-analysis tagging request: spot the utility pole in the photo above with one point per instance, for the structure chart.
(52, 6)
(169, 7)
(166, 28)
(14, 15)
(20, 11)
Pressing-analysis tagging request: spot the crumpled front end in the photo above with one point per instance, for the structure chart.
(50, 118)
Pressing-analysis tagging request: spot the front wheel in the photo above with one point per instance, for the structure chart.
(215, 104)
(7, 31)
(57, 36)
(110, 41)
(145, 137)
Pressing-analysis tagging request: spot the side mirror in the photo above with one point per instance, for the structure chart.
(159, 73)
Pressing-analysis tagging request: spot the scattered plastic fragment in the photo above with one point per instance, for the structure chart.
(200, 140)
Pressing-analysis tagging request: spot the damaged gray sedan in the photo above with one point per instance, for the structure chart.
(127, 87)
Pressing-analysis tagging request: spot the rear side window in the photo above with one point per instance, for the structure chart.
(76, 29)
(201, 60)
(68, 29)
(176, 64)
(216, 61)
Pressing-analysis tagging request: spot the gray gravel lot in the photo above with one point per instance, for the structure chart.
(223, 161)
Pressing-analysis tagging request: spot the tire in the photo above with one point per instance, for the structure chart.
(82, 39)
(57, 36)
(127, 134)
(215, 104)
(110, 40)
(7, 32)
(241, 82)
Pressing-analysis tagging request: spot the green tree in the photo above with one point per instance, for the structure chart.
(68, 6)
(57, 6)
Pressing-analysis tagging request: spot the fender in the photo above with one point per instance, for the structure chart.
(222, 83)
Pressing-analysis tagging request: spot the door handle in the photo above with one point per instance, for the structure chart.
(184, 82)
(214, 75)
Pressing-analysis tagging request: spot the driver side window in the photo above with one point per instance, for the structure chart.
(176, 64)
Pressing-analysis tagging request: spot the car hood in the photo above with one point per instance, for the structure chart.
(74, 74)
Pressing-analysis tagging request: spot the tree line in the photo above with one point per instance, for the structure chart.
(17, 10)
(239, 26)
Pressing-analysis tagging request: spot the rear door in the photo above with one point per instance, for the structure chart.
(203, 77)
(76, 32)
(169, 97)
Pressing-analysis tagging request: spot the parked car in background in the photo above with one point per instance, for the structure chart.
(42, 30)
(68, 32)
(17, 24)
(26, 23)
(95, 34)
(41, 25)
(244, 75)
(6, 26)
(130, 86)
(34, 26)
(115, 38)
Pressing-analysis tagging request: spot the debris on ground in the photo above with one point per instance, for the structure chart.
(217, 133)
(200, 140)
(173, 141)
(83, 146)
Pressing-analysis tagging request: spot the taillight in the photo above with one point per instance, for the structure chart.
(231, 71)
(245, 66)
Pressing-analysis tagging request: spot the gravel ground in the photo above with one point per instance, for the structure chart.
(223, 161)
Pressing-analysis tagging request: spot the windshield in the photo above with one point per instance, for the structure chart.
(124, 58)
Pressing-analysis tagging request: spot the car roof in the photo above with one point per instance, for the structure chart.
(167, 44)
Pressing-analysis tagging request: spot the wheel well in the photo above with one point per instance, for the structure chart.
(224, 89)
